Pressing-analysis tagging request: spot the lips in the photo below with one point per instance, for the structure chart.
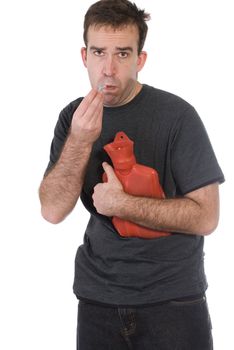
(109, 87)
(106, 87)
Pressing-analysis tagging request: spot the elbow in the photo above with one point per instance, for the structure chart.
(50, 216)
(209, 226)
(208, 231)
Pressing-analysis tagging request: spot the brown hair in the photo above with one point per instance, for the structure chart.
(117, 13)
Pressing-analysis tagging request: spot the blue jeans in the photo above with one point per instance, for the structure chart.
(182, 324)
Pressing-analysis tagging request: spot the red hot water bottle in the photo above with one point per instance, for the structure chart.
(137, 180)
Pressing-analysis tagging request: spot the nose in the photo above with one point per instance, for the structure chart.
(109, 67)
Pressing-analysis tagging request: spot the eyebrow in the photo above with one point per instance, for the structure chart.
(125, 48)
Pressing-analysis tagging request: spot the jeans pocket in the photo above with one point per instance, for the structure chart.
(193, 300)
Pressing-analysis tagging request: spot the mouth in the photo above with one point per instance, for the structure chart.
(109, 89)
(106, 87)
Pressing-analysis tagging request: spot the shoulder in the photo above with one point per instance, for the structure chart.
(70, 108)
(166, 101)
(170, 109)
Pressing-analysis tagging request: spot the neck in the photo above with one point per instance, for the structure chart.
(135, 91)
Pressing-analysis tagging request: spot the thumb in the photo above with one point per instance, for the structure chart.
(109, 172)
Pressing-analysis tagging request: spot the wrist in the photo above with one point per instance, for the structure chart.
(78, 142)
(123, 204)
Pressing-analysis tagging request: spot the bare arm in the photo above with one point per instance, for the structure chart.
(195, 213)
(61, 187)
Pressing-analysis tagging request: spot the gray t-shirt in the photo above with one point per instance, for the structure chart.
(168, 136)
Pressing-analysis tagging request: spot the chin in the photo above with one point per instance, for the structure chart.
(110, 101)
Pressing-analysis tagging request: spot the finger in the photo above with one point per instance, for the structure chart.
(97, 187)
(93, 120)
(98, 114)
(94, 109)
(109, 172)
(87, 101)
(94, 193)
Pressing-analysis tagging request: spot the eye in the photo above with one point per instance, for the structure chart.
(123, 54)
(98, 53)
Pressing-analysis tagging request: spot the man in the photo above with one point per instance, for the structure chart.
(134, 293)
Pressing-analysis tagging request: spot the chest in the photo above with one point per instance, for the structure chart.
(151, 137)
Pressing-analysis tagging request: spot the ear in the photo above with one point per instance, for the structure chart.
(141, 60)
(84, 55)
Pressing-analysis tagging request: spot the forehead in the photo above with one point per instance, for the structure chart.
(100, 35)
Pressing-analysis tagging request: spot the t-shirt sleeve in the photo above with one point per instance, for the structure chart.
(194, 163)
(60, 134)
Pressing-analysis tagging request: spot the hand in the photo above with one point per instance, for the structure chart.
(87, 119)
(108, 197)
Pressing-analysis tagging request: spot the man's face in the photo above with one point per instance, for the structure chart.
(112, 60)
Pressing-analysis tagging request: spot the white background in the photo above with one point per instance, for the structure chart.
(190, 47)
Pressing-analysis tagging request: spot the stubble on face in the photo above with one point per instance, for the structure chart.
(108, 68)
